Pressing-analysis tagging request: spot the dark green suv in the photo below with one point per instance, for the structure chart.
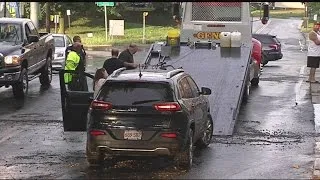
(149, 113)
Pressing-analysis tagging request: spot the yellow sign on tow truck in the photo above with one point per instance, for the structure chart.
(207, 35)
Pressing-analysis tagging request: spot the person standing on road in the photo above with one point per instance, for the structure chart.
(313, 57)
(127, 55)
(72, 63)
(83, 52)
(114, 62)
(99, 78)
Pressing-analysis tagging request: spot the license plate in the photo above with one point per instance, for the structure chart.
(132, 135)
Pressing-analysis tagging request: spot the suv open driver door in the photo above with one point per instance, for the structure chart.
(75, 104)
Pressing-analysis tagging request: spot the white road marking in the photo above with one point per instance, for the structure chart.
(316, 108)
(263, 27)
(299, 84)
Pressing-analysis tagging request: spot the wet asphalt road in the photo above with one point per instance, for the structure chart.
(273, 138)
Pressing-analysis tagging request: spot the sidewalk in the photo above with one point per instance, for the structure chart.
(315, 99)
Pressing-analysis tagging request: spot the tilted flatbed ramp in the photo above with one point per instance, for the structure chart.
(224, 72)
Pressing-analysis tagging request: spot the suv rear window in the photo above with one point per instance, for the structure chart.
(265, 39)
(135, 93)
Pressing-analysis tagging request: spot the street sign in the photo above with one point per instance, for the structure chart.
(105, 5)
(101, 4)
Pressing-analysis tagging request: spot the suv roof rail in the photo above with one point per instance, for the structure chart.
(174, 72)
(117, 72)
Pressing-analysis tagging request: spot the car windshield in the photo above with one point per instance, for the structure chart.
(10, 32)
(135, 93)
(59, 41)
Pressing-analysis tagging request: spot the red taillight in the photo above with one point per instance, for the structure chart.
(100, 105)
(97, 133)
(169, 135)
(274, 46)
(167, 107)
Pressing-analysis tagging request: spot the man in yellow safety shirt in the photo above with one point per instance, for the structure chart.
(72, 62)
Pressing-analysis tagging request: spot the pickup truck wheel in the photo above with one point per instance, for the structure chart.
(207, 134)
(184, 159)
(20, 89)
(46, 73)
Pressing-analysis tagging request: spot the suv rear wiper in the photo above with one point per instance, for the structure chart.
(145, 101)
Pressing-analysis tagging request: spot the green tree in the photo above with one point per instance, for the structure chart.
(314, 7)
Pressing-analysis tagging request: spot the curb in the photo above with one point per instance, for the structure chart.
(316, 166)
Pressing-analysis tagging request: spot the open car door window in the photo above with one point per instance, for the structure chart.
(75, 100)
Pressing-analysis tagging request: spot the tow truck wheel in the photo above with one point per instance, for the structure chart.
(46, 73)
(20, 89)
(207, 134)
(185, 158)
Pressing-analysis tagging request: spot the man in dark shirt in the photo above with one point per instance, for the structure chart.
(127, 55)
(114, 63)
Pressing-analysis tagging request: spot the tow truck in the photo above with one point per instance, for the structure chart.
(228, 72)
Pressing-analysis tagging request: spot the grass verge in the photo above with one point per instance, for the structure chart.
(282, 14)
(132, 33)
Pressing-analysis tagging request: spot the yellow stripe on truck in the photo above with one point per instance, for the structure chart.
(207, 35)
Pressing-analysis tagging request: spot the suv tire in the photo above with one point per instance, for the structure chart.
(205, 140)
(20, 89)
(184, 159)
(46, 72)
(93, 160)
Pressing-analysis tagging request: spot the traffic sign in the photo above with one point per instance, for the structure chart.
(110, 4)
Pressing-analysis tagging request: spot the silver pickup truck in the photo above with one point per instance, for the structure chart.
(25, 54)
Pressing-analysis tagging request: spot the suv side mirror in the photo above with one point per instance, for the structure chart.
(205, 91)
(33, 38)
(265, 17)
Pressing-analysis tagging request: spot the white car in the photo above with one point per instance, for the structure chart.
(61, 42)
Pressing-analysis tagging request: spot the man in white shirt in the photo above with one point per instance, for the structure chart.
(313, 58)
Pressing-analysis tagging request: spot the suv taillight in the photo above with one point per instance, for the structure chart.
(274, 46)
(100, 105)
(169, 106)
(97, 133)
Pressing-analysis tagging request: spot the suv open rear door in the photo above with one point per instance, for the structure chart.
(75, 103)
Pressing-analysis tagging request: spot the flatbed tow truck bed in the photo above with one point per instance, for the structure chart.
(224, 71)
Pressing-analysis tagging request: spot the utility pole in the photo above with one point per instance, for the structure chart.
(5, 9)
(144, 27)
(47, 17)
(34, 13)
(106, 21)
